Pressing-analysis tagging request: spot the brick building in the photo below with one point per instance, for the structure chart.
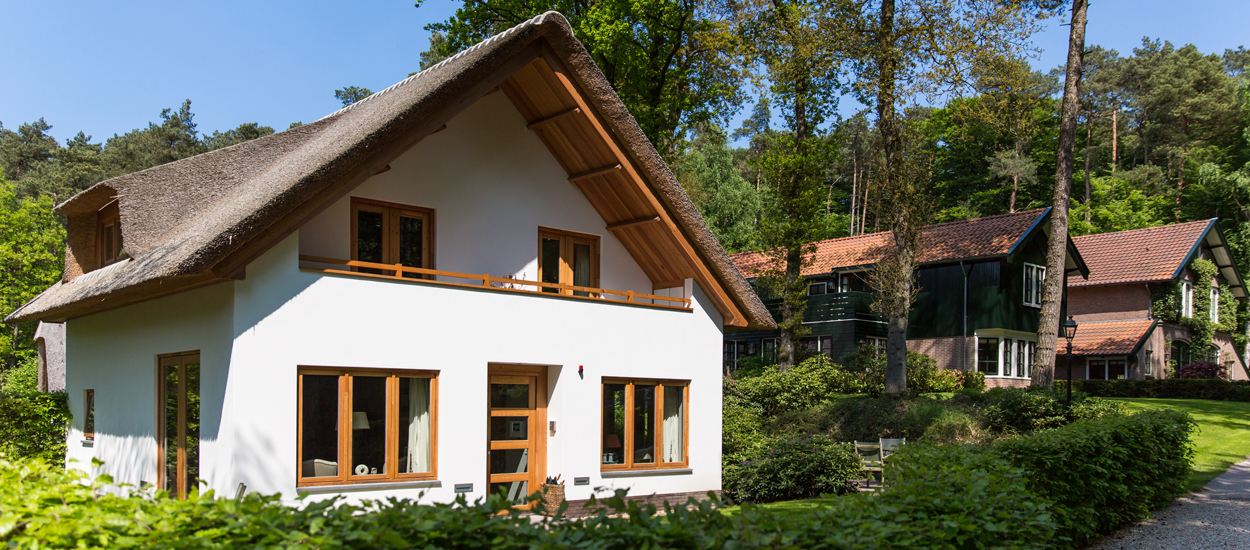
(1148, 292)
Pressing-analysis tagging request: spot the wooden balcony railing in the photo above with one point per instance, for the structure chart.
(494, 282)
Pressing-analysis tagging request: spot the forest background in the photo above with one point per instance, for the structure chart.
(1164, 132)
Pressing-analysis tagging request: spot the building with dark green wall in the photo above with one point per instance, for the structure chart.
(977, 307)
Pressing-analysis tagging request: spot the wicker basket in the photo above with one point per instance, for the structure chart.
(553, 496)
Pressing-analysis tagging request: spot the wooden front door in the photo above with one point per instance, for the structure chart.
(178, 391)
(517, 439)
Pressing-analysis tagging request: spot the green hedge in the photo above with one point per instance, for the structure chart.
(793, 467)
(1053, 488)
(33, 425)
(1167, 388)
(1103, 473)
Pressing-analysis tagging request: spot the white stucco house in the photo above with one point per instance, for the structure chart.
(479, 277)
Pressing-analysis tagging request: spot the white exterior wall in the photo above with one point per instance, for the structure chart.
(114, 353)
(492, 184)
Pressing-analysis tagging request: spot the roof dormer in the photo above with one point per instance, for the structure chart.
(95, 231)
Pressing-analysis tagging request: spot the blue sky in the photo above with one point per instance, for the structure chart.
(107, 68)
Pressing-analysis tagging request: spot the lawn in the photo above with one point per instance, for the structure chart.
(1223, 437)
(789, 508)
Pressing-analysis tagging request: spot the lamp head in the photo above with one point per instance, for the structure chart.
(1069, 329)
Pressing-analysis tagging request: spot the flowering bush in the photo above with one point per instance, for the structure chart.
(793, 467)
(1205, 370)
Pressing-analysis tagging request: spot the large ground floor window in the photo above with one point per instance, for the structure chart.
(1005, 357)
(366, 426)
(645, 424)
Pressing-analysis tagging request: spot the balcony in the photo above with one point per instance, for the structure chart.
(486, 281)
(832, 307)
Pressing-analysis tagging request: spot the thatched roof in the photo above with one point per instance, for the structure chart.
(183, 221)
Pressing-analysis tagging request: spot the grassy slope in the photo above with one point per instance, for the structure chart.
(1223, 437)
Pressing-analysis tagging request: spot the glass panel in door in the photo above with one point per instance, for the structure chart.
(412, 243)
(582, 254)
(369, 229)
(550, 263)
(513, 441)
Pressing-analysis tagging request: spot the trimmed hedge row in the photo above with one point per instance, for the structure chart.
(1053, 488)
(1101, 474)
(1167, 388)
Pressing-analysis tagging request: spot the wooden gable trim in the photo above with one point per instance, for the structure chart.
(671, 239)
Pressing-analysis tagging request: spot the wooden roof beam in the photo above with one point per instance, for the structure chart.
(592, 173)
(632, 223)
(548, 120)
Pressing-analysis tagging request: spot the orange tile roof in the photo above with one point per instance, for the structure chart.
(1107, 337)
(1138, 255)
(979, 237)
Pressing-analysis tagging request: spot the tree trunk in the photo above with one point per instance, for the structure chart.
(1115, 136)
(793, 293)
(854, 188)
(1048, 327)
(1089, 138)
(887, 73)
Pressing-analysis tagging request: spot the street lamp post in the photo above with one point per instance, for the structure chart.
(1069, 332)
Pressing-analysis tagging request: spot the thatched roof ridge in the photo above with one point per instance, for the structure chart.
(182, 219)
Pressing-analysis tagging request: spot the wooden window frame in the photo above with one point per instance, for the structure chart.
(345, 475)
(1032, 282)
(88, 415)
(567, 240)
(180, 359)
(108, 223)
(627, 446)
(391, 211)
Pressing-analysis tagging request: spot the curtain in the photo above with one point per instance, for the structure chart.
(674, 412)
(418, 424)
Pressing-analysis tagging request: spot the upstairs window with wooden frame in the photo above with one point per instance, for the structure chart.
(567, 258)
(366, 426)
(108, 235)
(646, 424)
(389, 233)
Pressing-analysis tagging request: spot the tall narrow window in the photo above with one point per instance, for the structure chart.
(645, 424)
(108, 235)
(366, 426)
(1187, 299)
(389, 234)
(987, 356)
(179, 393)
(88, 417)
(1215, 305)
(1007, 356)
(1034, 282)
(568, 259)
(1022, 365)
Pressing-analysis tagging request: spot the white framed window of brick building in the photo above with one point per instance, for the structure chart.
(1215, 305)
(1034, 282)
(1187, 299)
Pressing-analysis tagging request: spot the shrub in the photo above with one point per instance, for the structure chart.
(33, 425)
(973, 381)
(788, 468)
(1167, 388)
(1204, 370)
(1024, 410)
(741, 421)
(1103, 473)
(867, 365)
(800, 387)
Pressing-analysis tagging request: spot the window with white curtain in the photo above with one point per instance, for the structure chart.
(1215, 305)
(1034, 282)
(366, 425)
(1187, 299)
(632, 438)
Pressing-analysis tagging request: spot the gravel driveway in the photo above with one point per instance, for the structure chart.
(1216, 517)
